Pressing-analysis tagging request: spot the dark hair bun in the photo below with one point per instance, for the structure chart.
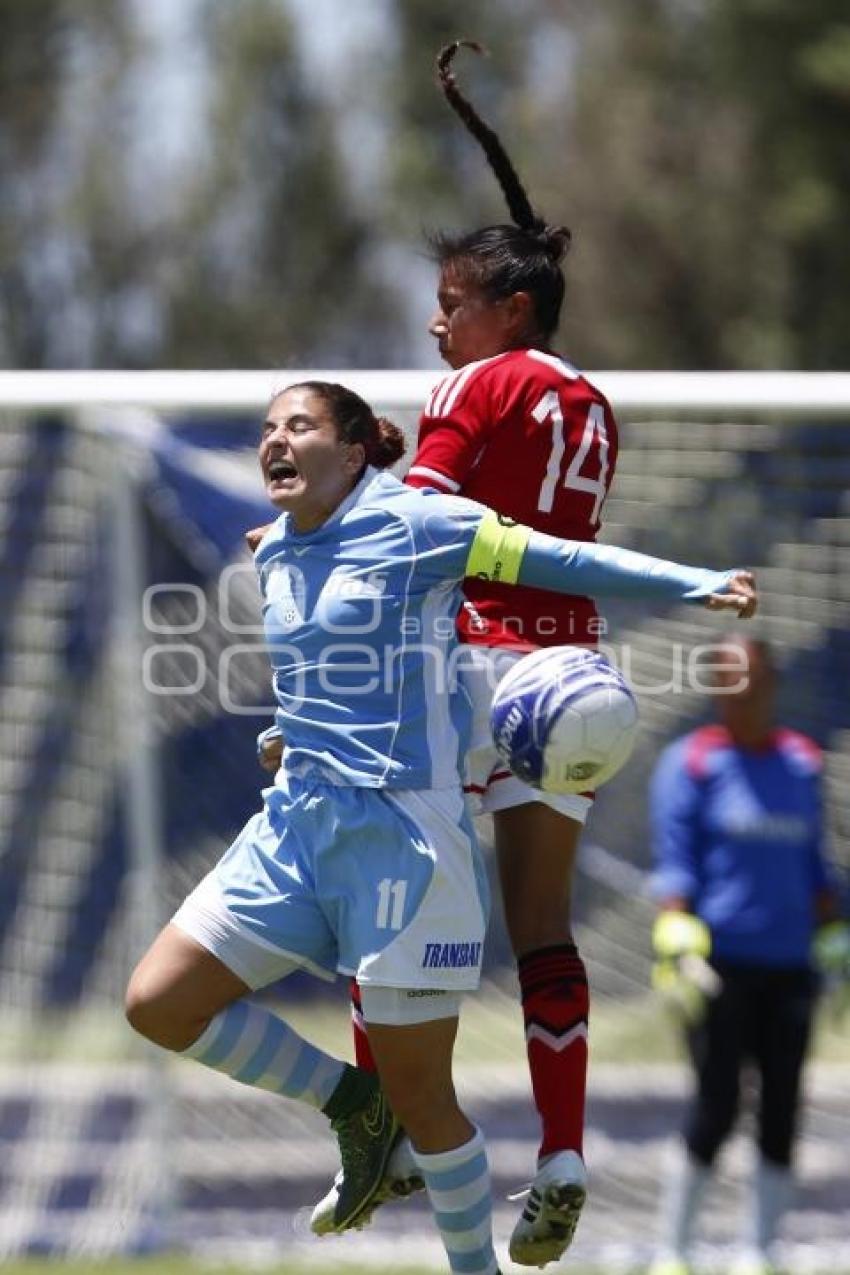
(556, 241)
(387, 446)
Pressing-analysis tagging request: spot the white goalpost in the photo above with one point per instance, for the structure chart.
(126, 755)
(782, 394)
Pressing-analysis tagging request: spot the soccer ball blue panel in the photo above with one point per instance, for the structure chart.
(564, 719)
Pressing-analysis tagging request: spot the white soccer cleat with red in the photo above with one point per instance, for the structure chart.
(555, 1199)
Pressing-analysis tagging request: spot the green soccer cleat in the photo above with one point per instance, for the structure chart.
(366, 1138)
(401, 1179)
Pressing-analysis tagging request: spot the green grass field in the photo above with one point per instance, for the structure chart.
(183, 1266)
(632, 1033)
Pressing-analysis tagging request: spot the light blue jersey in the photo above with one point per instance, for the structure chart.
(360, 623)
(363, 858)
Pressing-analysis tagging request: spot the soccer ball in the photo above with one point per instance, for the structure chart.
(563, 719)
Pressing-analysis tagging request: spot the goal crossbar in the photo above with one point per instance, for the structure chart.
(781, 394)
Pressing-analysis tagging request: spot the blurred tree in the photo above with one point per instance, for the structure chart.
(707, 182)
(279, 271)
(68, 244)
(434, 164)
(251, 255)
(788, 67)
(697, 148)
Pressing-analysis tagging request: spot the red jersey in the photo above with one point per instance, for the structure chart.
(525, 434)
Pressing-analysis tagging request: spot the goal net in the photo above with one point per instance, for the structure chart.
(132, 685)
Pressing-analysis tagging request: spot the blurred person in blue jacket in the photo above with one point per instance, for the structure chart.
(749, 922)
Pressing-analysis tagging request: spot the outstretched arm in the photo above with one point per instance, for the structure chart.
(604, 570)
(514, 554)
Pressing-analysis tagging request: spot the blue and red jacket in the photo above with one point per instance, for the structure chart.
(738, 833)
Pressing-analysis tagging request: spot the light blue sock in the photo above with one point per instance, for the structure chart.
(458, 1185)
(253, 1045)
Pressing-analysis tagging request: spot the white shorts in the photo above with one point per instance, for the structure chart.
(489, 784)
(403, 1007)
(384, 884)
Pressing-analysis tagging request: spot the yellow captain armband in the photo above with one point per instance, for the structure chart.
(497, 551)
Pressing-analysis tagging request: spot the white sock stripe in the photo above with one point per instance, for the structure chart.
(469, 1241)
(556, 1042)
(248, 1041)
(440, 1161)
(281, 1064)
(458, 1184)
(326, 1076)
(297, 1070)
(207, 1038)
(217, 1040)
(461, 1198)
(255, 1047)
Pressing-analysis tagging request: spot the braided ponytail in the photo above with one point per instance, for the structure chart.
(554, 239)
(502, 260)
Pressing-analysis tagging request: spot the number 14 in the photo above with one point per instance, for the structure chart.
(550, 405)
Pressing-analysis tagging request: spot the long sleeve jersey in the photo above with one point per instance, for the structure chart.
(360, 618)
(737, 833)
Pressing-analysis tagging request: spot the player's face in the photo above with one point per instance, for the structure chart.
(308, 470)
(747, 684)
(467, 324)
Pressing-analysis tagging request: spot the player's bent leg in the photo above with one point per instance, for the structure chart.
(415, 1065)
(415, 967)
(402, 1177)
(177, 988)
(186, 998)
(537, 846)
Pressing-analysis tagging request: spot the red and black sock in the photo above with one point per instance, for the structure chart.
(362, 1048)
(553, 982)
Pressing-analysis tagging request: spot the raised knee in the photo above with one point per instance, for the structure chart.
(140, 1008)
(146, 1010)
